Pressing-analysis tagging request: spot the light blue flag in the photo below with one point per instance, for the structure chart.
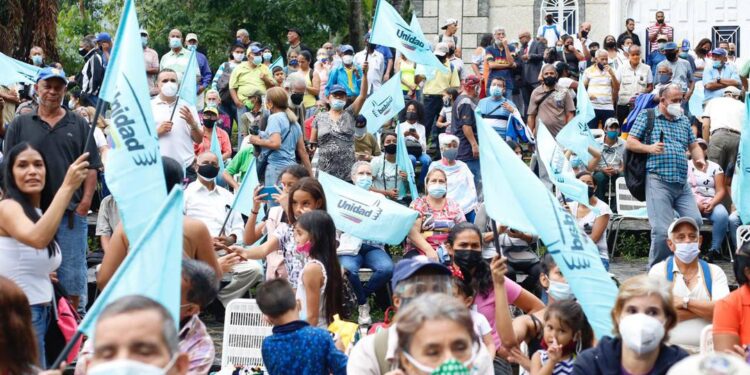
(278, 62)
(189, 85)
(216, 150)
(153, 266)
(134, 171)
(742, 171)
(243, 197)
(515, 197)
(383, 104)
(390, 30)
(576, 134)
(583, 104)
(14, 71)
(364, 214)
(558, 167)
(695, 104)
(404, 163)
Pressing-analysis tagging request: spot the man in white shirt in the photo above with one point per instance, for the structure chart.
(176, 132)
(376, 63)
(694, 290)
(722, 123)
(551, 31)
(210, 203)
(635, 78)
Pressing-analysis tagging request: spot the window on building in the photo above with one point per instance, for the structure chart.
(729, 34)
(565, 13)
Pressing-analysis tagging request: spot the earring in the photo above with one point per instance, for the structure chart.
(579, 345)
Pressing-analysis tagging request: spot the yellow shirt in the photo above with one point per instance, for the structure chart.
(407, 73)
(247, 81)
(441, 80)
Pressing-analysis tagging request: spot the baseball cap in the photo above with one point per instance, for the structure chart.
(49, 73)
(612, 121)
(719, 52)
(211, 109)
(441, 49)
(446, 139)
(254, 49)
(685, 45)
(448, 22)
(346, 48)
(670, 46)
(471, 80)
(684, 219)
(103, 37)
(702, 142)
(405, 268)
(144, 32)
(336, 89)
(732, 90)
(710, 364)
(191, 36)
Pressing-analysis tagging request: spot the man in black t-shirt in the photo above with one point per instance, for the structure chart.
(464, 126)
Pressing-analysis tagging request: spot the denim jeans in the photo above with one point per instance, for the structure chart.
(425, 160)
(73, 247)
(720, 218)
(473, 165)
(734, 223)
(40, 321)
(373, 258)
(662, 200)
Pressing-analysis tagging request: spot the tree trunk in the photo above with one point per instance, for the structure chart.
(18, 35)
(355, 24)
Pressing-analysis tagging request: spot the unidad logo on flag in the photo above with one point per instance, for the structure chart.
(408, 39)
(127, 133)
(383, 108)
(357, 211)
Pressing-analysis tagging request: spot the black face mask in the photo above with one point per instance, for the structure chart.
(549, 20)
(411, 116)
(82, 51)
(390, 149)
(550, 81)
(584, 33)
(671, 55)
(208, 171)
(600, 66)
(610, 45)
(297, 98)
(467, 259)
(451, 50)
(730, 53)
(209, 123)
(591, 191)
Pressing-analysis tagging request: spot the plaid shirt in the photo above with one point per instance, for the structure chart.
(671, 165)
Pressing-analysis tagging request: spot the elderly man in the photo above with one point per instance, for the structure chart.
(611, 163)
(177, 58)
(243, 38)
(602, 86)
(635, 78)
(198, 289)
(294, 37)
(696, 285)
(377, 64)
(176, 132)
(36, 55)
(722, 124)
(532, 56)
(719, 76)
(210, 124)
(203, 68)
(499, 60)
(60, 135)
(104, 42)
(92, 74)
(296, 89)
(151, 58)
(434, 88)
(667, 189)
(210, 203)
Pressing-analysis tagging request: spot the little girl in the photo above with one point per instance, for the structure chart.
(465, 293)
(320, 281)
(566, 333)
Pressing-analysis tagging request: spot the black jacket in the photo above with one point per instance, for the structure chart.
(604, 359)
(533, 66)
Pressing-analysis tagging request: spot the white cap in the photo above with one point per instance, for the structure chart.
(732, 90)
(684, 219)
(710, 364)
(448, 22)
(445, 139)
(191, 36)
(441, 49)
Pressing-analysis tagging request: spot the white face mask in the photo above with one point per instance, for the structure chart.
(674, 109)
(641, 333)
(238, 56)
(347, 59)
(560, 291)
(169, 89)
(130, 367)
(687, 252)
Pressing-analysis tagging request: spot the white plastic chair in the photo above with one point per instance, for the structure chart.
(628, 208)
(707, 339)
(244, 331)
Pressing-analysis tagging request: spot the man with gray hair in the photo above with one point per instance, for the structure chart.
(92, 74)
(602, 86)
(243, 38)
(296, 86)
(664, 134)
(722, 125)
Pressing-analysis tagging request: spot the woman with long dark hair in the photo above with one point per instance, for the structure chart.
(320, 281)
(28, 250)
(19, 354)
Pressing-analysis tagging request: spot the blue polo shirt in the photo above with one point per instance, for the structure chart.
(710, 74)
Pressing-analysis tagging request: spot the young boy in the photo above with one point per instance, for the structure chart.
(294, 347)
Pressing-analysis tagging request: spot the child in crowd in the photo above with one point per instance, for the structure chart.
(566, 333)
(320, 282)
(446, 113)
(465, 293)
(294, 347)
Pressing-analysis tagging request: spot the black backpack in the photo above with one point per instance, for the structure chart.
(223, 85)
(635, 163)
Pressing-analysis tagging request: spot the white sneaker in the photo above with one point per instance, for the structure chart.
(364, 315)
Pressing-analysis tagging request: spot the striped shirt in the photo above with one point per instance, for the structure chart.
(599, 87)
(564, 367)
(654, 30)
(671, 165)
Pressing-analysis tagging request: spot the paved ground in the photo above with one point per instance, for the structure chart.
(621, 268)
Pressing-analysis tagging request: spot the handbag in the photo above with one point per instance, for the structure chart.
(262, 163)
(62, 327)
(413, 147)
(521, 257)
(635, 163)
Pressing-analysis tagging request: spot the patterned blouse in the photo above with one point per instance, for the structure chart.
(336, 143)
(436, 224)
(294, 260)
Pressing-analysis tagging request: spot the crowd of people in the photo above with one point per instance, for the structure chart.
(469, 296)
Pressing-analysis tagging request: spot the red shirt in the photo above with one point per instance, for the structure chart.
(226, 145)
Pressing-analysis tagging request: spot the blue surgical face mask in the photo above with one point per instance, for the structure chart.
(267, 56)
(437, 190)
(192, 47)
(364, 181)
(37, 60)
(496, 91)
(612, 134)
(257, 60)
(175, 42)
(663, 78)
(560, 291)
(144, 41)
(338, 104)
(450, 153)
(718, 64)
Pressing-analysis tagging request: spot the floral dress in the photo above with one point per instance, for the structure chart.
(336, 143)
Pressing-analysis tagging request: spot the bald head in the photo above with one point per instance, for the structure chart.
(208, 158)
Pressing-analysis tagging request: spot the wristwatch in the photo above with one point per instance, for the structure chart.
(685, 301)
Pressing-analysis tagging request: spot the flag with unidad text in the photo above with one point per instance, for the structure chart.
(364, 214)
(403, 163)
(558, 167)
(515, 197)
(576, 135)
(390, 30)
(134, 172)
(153, 266)
(14, 71)
(385, 103)
(189, 85)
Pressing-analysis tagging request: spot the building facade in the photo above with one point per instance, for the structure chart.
(692, 19)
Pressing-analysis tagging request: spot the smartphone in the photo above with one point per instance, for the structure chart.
(269, 190)
(661, 137)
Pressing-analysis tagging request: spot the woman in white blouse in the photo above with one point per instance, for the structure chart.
(709, 189)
